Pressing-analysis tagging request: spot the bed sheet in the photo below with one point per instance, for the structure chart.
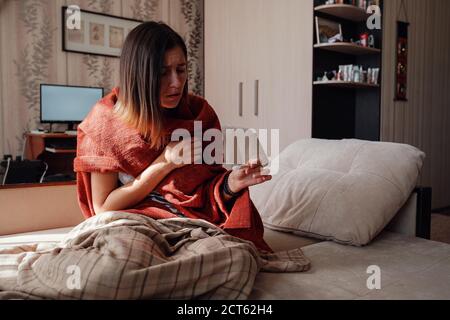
(42, 236)
(279, 241)
(408, 268)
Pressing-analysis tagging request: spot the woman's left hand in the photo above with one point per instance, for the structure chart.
(247, 175)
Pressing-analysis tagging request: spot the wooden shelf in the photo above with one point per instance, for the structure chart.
(55, 150)
(344, 11)
(347, 48)
(51, 135)
(359, 112)
(44, 146)
(345, 84)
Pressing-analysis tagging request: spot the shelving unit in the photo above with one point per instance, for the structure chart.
(347, 48)
(345, 84)
(343, 11)
(341, 109)
(60, 160)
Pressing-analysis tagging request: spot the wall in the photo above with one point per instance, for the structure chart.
(424, 120)
(31, 53)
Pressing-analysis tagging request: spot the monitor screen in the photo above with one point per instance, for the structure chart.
(67, 103)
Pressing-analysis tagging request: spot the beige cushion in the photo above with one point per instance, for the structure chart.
(284, 241)
(341, 190)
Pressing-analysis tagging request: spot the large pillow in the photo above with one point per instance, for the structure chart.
(341, 190)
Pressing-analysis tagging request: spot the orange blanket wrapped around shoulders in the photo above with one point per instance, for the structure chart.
(106, 144)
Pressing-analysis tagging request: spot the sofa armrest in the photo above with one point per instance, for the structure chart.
(414, 218)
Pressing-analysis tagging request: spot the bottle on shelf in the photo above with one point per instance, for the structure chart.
(356, 74)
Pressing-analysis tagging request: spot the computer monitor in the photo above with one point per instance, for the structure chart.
(67, 104)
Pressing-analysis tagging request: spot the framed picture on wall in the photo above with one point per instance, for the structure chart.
(96, 33)
(328, 31)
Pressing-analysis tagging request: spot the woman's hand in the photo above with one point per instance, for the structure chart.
(173, 153)
(248, 175)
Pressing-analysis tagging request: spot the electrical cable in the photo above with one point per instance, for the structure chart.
(45, 171)
(6, 172)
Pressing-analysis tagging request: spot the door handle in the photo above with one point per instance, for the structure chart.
(256, 97)
(241, 89)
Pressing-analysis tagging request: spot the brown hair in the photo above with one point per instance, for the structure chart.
(141, 64)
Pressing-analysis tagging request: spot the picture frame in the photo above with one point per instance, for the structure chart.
(99, 33)
(328, 31)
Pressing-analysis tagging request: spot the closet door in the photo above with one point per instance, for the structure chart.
(258, 64)
(225, 54)
(255, 58)
(218, 56)
(284, 66)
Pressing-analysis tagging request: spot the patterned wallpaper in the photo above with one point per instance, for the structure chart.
(31, 53)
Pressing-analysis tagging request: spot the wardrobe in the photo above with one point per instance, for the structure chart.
(258, 64)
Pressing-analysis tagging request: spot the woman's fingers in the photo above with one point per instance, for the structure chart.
(254, 163)
(259, 180)
(259, 177)
(196, 146)
(190, 150)
(262, 179)
(255, 176)
(250, 166)
(197, 156)
(248, 182)
(261, 170)
(183, 152)
(238, 180)
(256, 171)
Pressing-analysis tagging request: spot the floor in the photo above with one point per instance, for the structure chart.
(440, 227)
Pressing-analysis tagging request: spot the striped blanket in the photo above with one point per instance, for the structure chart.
(119, 255)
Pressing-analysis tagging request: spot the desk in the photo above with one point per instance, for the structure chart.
(38, 146)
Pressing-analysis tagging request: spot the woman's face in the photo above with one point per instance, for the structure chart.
(173, 77)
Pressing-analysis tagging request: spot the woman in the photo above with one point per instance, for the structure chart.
(125, 156)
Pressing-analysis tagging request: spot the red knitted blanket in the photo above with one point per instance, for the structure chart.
(106, 144)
